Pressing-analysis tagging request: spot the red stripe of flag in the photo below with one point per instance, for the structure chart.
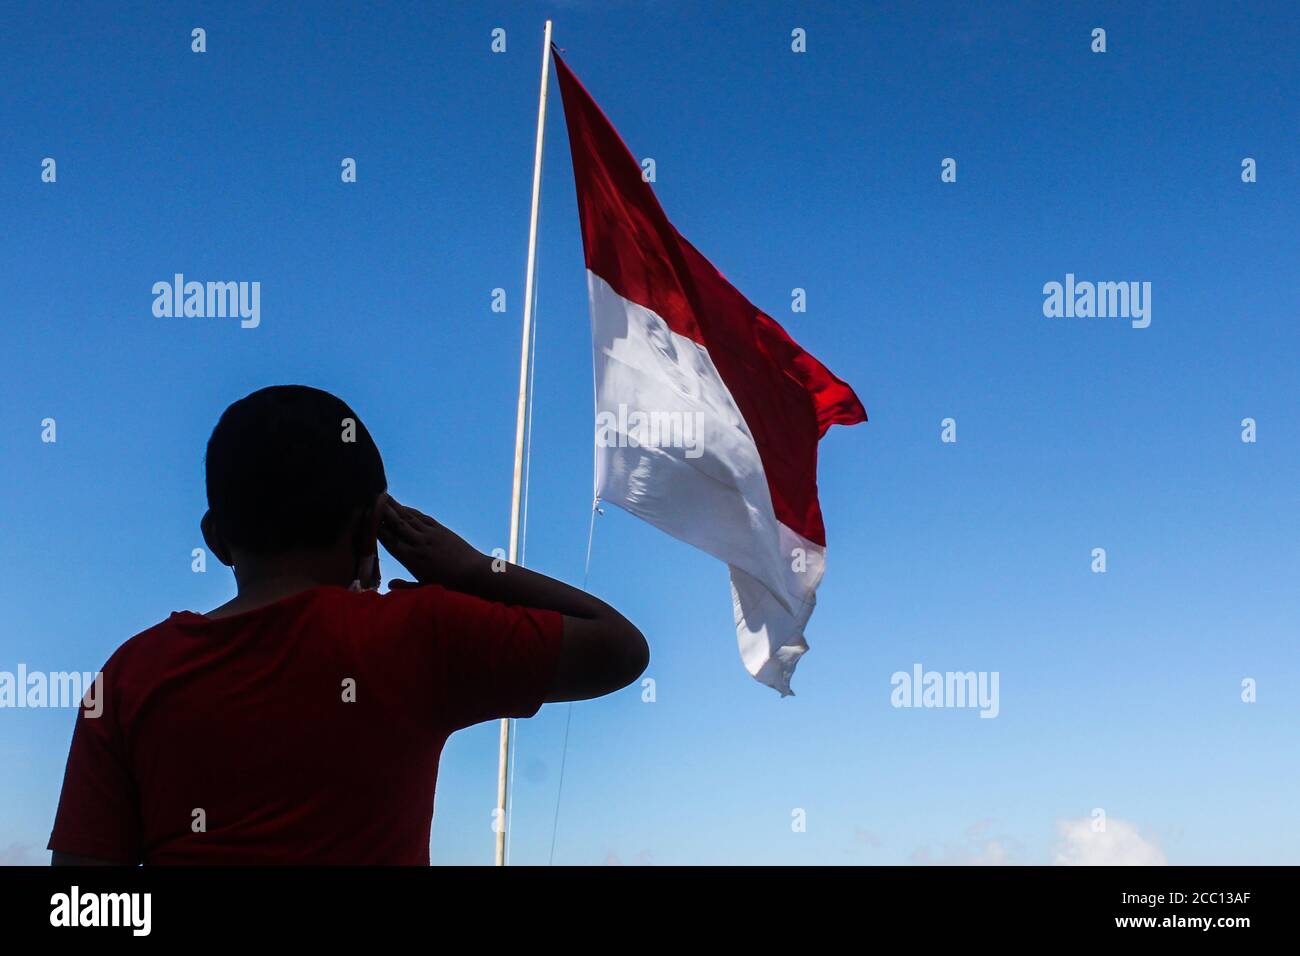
(787, 397)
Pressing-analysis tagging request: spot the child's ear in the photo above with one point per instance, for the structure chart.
(212, 538)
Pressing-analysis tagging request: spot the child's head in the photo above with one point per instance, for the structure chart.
(291, 470)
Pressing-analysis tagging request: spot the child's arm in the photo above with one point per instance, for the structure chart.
(602, 651)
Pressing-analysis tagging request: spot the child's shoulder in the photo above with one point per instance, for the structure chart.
(143, 644)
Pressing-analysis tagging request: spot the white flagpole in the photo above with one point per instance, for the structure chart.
(525, 373)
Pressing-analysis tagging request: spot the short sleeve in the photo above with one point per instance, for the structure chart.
(483, 660)
(98, 815)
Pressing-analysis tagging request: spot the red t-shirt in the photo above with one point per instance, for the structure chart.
(306, 731)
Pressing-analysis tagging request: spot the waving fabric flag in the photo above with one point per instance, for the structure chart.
(708, 414)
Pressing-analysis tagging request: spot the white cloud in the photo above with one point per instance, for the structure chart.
(1119, 844)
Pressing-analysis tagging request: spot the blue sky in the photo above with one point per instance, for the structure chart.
(821, 171)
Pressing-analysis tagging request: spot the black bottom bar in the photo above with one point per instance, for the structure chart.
(480, 907)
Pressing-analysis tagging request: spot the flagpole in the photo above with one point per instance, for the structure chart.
(521, 413)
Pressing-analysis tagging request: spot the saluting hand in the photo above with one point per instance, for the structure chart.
(433, 554)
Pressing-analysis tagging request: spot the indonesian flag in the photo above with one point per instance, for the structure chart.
(708, 414)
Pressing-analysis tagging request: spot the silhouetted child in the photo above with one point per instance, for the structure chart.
(302, 721)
